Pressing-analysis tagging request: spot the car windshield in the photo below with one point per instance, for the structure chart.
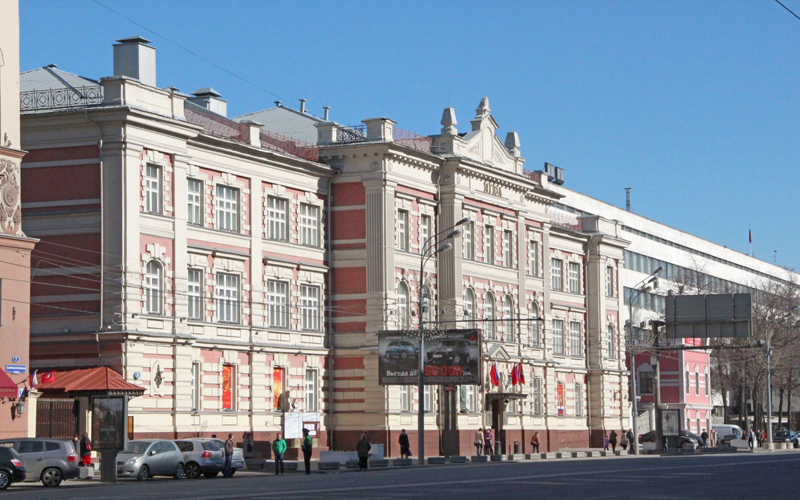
(782, 434)
(137, 447)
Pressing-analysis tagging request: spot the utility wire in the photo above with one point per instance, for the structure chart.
(788, 9)
(188, 50)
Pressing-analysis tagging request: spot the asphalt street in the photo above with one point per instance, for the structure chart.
(765, 476)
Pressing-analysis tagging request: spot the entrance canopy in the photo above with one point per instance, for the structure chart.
(98, 381)
(8, 389)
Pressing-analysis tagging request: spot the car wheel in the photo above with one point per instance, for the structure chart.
(403, 355)
(144, 473)
(688, 445)
(456, 359)
(52, 477)
(178, 472)
(5, 479)
(209, 475)
(192, 470)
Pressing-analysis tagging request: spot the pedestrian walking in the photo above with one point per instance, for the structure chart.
(405, 445)
(605, 441)
(307, 448)
(279, 448)
(704, 437)
(713, 438)
(488, 442)
(612, 440)
(86, 450)
(535, 442)
(624, 442)
(631, 442)
(248, 444)
(363, 448)
(479, 442)
(228, 456)
(763, 437)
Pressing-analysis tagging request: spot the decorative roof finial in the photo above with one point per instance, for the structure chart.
(449, 122)
(483, 108)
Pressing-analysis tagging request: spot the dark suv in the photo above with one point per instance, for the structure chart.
(12, 470)
(454, 352)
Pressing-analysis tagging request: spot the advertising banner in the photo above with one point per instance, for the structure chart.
(671, 422)
(451, 358)
(277, 388)
(560, 398)
(227, 387)
(109, 422)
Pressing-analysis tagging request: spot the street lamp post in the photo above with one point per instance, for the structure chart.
(429, 249)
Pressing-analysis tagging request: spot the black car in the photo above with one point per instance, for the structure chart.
(686, 440)
(12, 469)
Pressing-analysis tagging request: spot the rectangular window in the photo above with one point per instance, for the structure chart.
(227, 208)
(696, 384)
(609, 281)
(311, 391)
(536, 400)
(557, 278)
(309, 225)
(708, 384)
(228, 388)
(470, 396)
(227, 298)
(612, 341)
(574, 338)
(277, 214)
(428, 402)
(578, 400)
(507, 255)
(152, 189)
(402, 230)
(309, 307)
(488, 244)
(533, 258)
(558, 337)
(405, 398)
(574, 277)
(424, 231)
(646, 382)
(194, 294)
(469, 240)
(277, 300)
(195, 197)
(196, 385)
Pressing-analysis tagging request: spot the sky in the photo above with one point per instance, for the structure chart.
(695, 105)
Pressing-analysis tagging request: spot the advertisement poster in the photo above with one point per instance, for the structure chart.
(227, 387)
(277, 388)
(671, 422)
(108, 423)
(452, 357)
(560, 398)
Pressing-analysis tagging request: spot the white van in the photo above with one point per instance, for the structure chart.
(730, 434)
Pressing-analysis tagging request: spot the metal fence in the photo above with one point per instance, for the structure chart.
(34, 100)
(218, 126)
(351, 133)
(56, 418)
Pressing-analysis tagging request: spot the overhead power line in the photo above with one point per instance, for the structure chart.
(788, 9)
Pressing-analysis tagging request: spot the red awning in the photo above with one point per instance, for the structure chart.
(98, 380)
(8, 388)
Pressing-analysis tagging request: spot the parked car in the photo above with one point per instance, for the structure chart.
(237, 461)
(145, 458)
(450, 351)
(401, 349)
(47, 460)
(12, 470)
(787, 436)
(686, 440)
(201, 457)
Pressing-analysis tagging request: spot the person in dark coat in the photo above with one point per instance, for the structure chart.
(612, 440)
(308, 448)
(631, 442)
(405, 446)
(86, 450)
(363, 448)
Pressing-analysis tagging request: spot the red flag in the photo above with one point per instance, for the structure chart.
(521, 373)
(514, 378)
(48, 377)
(495, 378)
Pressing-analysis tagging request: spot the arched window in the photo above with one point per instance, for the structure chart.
(152, 288)
(469, 307)
(508, 319)
(533, 326)
(612, 341)
(402, 305)
(490, 327)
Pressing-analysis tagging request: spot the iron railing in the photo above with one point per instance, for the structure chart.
(34, 100)
(294, 147)
(412, 140)
(351, 133)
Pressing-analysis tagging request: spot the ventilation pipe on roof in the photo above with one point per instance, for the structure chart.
(210, 99)
(302, 105)
(134, 57)
(327, 112)
(278, 103)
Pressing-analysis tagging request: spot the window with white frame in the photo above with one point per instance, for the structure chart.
(488, 244)
(152, 188)
(196, 385)
(194, 214)
(469, 240)
(309, 307)
(533, 258)
(574, 277)
(490, 326)
(309, 225)
(507, 255)
(405, 398)
(574, 338)
(427, 398)
(469, 398)
(402, 230)
(645, 380)
(558, 337)
(508, 319)
(688, 383)
(696, 383)
(277, 303)
(469, 307)
(533, 326)
(227, 208)
(227, 298)
(609, 281)
(277, 215)
(557, 278)
(424, 231)
(403, 312)
(612, 341)
(194, 285)
(310, 399)
(153, 282)
(578, 400)
(536, 399)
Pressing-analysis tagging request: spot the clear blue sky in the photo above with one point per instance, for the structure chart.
(695, 105)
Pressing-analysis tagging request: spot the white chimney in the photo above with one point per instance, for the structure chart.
(326, 115)
(209, 98)
(302, 105)
(134, 57)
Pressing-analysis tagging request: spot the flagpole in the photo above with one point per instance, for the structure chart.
(750, 238)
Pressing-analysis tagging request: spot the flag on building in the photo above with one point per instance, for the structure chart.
(495, 377)
(514, 379)
(34, 379)
(520, 373)
(49, 377)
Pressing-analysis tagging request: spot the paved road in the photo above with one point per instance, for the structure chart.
(746, 476)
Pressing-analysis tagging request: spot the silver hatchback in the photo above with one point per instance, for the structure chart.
(144, 458)
(47, 460)
(201, 457)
